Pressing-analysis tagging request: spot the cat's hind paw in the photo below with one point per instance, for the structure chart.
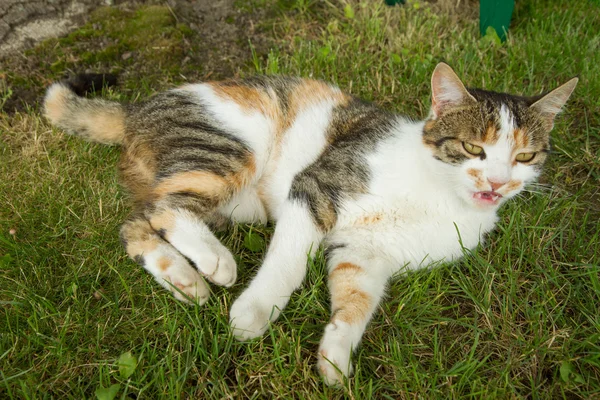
(175, 274)
(189, 289)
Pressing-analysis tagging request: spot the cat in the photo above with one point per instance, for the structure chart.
(381, 192)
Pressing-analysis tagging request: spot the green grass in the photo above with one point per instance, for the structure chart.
(518, 318)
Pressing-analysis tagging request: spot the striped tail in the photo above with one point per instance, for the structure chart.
(93, 119)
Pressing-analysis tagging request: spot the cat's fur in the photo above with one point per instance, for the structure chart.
(382, 192)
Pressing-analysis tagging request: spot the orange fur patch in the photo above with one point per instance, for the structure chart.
(521, 139)
(137, 168)
(142, 247)
(248, 98)
(206, 183)
(476, 174)
(369, 219)
(490, 136)
(512, 185)
(106, 127)
(266, 201)
(164, 263)
(310, 92)
(163, 220)
(140, 237)
(238, 181)
(350, 304)
(306, 93)
(346, 266)
(429, 125)
(201, 182)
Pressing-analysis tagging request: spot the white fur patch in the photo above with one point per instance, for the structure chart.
(424, 216)
(245, 206)
(254, 128)
(302, 144)
(507, 123)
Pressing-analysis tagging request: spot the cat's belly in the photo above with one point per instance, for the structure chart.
(245, 207)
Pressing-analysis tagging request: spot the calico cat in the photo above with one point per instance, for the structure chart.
(383, 193)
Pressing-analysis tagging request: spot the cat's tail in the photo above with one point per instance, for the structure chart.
(93, 119)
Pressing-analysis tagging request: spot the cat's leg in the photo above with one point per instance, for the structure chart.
(356, 286)
(164, 262)
(178, 219)
(296, 238)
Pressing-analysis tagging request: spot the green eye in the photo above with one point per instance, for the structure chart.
(472, 149)
(524, 157)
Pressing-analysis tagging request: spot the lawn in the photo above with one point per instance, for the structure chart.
(517, 318)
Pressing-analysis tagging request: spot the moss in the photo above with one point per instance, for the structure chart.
(185, 30)
(109, 53)
(88, 57)
(58, 66)
(81, 34)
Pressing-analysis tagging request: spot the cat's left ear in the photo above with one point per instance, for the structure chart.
(552, 103)
(447, 91)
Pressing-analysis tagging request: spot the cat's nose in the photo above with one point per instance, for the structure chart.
(496, 184)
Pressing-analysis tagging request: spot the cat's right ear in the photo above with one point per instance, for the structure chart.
(552, 103)
(447, 90)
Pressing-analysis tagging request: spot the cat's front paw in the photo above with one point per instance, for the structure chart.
(249, 318)
(333, 359)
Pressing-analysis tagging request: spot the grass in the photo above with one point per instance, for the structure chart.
(517, 318)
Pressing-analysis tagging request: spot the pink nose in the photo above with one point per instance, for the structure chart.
(496, 184)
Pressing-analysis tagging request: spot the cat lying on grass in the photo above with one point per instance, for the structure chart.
(381, 192)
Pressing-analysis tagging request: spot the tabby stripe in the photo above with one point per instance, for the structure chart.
(201, 145)
(444, 139)
(196, 164)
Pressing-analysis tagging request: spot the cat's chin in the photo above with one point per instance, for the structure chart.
(487, 199)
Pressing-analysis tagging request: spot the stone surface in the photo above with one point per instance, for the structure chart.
(26, 22)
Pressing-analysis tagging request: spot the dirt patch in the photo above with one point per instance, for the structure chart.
(225, 32)
(151, 45)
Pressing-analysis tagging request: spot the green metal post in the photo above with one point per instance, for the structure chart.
(497, 14)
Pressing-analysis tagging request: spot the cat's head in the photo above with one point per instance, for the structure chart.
(489, 145)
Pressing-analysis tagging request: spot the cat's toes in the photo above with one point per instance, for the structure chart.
(333, 359)
(186, 288)
(217, 264)
(333, 366)
(174, 273)
(249, 319)
(225, 273)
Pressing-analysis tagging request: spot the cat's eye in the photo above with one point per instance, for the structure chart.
(524, 157)
(472, 149)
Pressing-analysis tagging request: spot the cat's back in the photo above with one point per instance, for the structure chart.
(292, 129)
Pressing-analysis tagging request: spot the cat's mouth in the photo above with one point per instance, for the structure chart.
(487, 197)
